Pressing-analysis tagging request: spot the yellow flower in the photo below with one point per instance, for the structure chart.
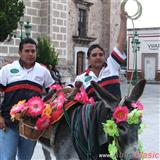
(21, 102)
(48, 110)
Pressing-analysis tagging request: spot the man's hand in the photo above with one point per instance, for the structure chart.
(2, 123)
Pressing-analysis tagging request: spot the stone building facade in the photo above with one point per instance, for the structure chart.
(72, 26)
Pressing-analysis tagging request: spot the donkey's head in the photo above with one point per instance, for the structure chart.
(127, 137)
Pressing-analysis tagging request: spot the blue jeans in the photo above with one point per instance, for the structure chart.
(12, 144)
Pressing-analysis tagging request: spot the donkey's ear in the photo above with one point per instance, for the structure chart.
(137, 90)
(104, 95)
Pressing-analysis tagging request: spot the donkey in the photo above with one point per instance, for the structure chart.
(82, 137)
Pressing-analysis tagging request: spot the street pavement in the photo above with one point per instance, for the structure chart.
(150, 137)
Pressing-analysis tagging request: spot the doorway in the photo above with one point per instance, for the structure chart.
(80, 62)
(150, 67)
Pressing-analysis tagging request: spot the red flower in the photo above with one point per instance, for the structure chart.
(120, 114)
(35, 106)
(42, 123)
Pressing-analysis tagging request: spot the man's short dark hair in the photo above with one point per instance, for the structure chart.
(93, 47)
(26, 41)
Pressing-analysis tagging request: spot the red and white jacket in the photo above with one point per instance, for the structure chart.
(108, 77)
(19, 83)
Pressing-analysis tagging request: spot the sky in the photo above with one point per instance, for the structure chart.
(150, 13)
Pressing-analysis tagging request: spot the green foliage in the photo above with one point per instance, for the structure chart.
(10, 13)
(46, 53)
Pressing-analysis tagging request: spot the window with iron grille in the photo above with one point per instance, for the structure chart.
(82, 30)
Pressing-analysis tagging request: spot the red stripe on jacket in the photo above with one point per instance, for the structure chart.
(105, 83)
(117, 56)
(23, 86)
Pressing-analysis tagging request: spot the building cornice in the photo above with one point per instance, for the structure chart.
(83, 40)
(84, 2)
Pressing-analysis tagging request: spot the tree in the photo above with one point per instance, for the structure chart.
(46, 53)
(10, 13)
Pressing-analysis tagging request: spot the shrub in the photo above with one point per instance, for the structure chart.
(10, 13)
(46, 53)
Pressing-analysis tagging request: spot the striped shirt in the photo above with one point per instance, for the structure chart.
(19, 83)
(108, 76)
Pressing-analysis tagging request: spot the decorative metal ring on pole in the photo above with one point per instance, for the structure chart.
(139, 9)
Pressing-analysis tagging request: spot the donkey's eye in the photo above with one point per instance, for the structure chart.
(122, 129)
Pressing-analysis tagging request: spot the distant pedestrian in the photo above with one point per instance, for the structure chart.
(55, 74)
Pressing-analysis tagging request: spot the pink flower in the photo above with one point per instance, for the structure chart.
(137, 105)
(120, 114)
(35, 106)
(59, 101)
(78, 97)
(56, 87)
(17, 108)
(83, 97)
(91, 100)
(42, 123)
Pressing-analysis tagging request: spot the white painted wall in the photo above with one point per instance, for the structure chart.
(150, 43)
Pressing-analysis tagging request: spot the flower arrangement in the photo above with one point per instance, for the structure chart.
(122, 114)
(41, 114)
